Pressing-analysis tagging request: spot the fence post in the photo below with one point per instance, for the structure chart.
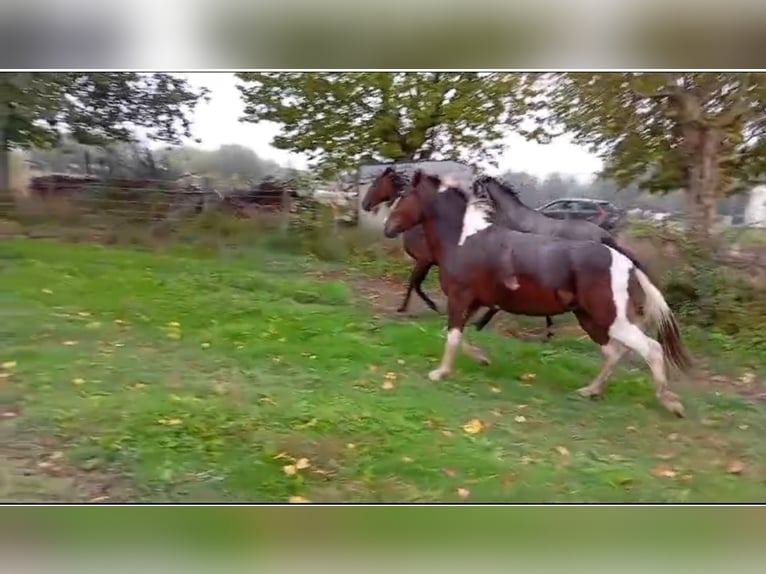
(285, 205)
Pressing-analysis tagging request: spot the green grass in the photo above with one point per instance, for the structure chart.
(181, 376)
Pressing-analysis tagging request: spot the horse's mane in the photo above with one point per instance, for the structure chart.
(507, 188)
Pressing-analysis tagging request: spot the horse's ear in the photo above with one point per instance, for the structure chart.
(416, 177)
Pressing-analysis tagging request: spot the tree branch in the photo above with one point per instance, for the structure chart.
(739, 107)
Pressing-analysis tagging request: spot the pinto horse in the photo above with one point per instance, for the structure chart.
(485, 264)
(513, 213)
(386, 188)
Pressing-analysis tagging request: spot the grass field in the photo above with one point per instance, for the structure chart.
(137, 375)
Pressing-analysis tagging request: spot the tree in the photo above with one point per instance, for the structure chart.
(701, 132)
(92, 108)
(340, 119)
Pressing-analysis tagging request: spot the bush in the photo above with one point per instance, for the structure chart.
(710, 295)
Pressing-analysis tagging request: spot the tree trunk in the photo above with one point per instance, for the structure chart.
(6, 194)
(703, 145)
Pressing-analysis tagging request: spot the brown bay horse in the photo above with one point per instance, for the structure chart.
(485, 264)
(386, 188)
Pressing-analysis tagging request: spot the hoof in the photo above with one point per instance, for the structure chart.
(401, 309)
(436, 375)
(671, 402)
(589, 392)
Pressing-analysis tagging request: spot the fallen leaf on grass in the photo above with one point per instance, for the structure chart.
(463, 492)
(307, 425)
(520, 419)
(47, 291)
(289, 469)
(563, 451)
(663, 471)
(527, 376)
(8, 365)
(446, 432)
(400, 361)
(387, 385)
(302, 463)
(406, 459)
(748, 378)
(205, 345)
(78, 381)
(298, 500)
(170, 422)
(69, 343)
(172, 324)
(473, 426)
(449, 472)
(666, 455)
(735, 467)
(494, 389)
(743, 427)
(99, 499)
(351, 446)
(83, 314)
(281, 455)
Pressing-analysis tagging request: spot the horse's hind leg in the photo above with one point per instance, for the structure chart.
(548, 330)
(611, 349)
(486, 318)
(634, 338)
(613, 352)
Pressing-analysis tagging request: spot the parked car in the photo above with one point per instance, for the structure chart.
(598, 211)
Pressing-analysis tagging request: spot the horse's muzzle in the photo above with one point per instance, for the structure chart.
(390, 230)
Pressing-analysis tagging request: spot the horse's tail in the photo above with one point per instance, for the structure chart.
(668, 333)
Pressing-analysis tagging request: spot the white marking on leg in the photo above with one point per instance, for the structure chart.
(633, 337)
(613, 352)
(445, 368)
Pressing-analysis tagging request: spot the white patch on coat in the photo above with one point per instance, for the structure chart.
(453, 181)
(478, 216)
(391, 209)
(621, 328)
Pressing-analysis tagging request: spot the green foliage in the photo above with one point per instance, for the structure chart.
(632, 121)
(95, 107)
(705, 294)
(339, 119)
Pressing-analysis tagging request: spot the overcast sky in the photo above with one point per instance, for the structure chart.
(216, 123)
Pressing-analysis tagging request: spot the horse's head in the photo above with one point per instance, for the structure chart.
(484, 185)
(385, 188)
(409, 211)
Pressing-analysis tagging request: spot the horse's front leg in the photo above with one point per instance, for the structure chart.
(474, 351)
(459, 308)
